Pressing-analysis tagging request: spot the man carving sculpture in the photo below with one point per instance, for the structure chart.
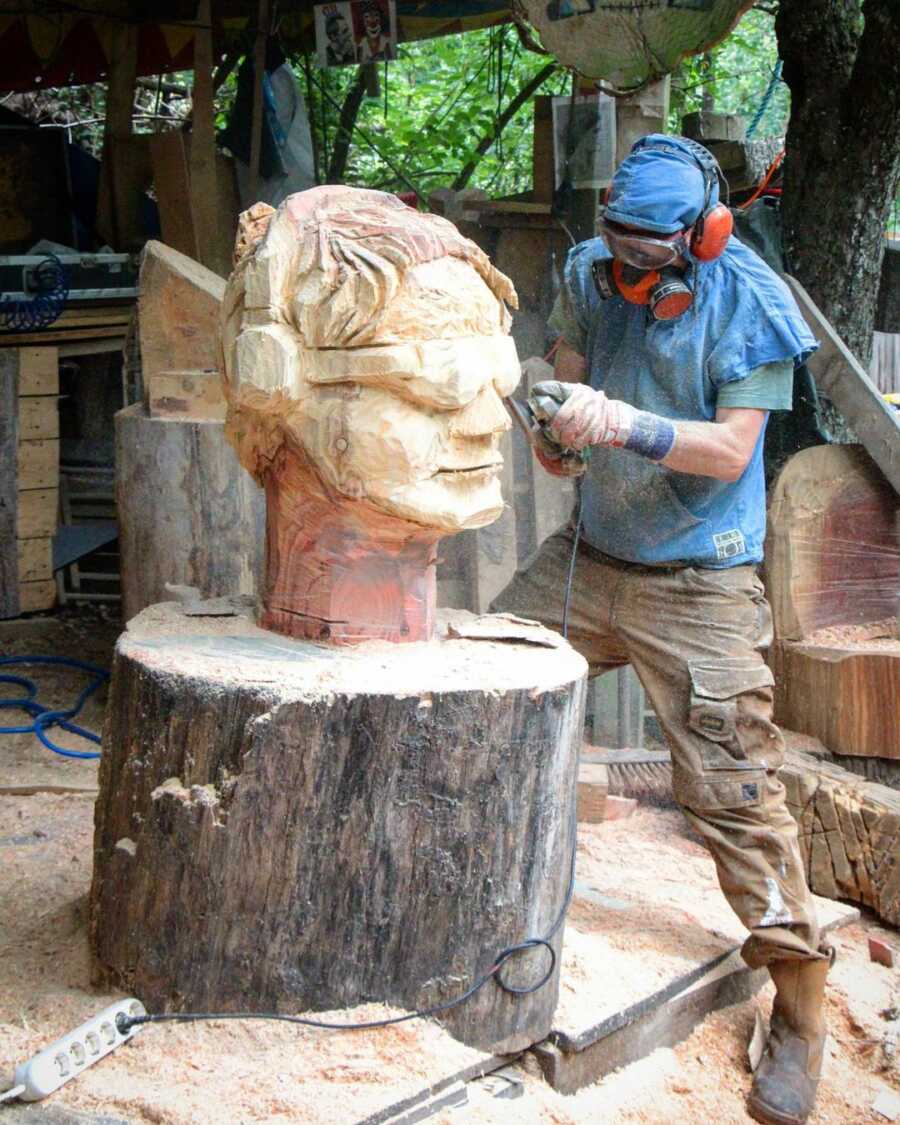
(676, 342)
(366, 352)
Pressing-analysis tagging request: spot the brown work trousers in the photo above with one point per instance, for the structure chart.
(694, 637)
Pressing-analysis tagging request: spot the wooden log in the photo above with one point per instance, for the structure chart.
(832, 576)
(833, 543)
(845, 693)
(311, 827)
(188, 513)
(9, 488)
(848, 833)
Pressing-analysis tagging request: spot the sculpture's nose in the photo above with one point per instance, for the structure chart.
(483, 416)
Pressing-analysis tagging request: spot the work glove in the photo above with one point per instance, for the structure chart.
(588, 417)
(560, 466)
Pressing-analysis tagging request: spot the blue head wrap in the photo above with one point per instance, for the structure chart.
(660, 186)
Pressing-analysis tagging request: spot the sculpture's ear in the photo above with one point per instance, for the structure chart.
(251, 229)
(267, 358)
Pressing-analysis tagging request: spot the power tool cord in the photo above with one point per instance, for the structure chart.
(124, 1023)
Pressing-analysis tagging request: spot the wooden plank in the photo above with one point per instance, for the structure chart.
(38, 417)
(9, 444)
(64, 336)
(38, 371)
(172, 183)
(35, 559)
(204, 195)
(38, 463)
(178, 312)
(37, 513)
(839, 375)
(544, 176)
(185, 395)
(259, 64)
(118, 205)
(35, 596)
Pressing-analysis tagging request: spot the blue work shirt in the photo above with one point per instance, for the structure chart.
(742, 316)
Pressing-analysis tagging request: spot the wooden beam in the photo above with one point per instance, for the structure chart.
(9, 443)
(259, 69)
(204, 195)
(839, 375)
(113, 203)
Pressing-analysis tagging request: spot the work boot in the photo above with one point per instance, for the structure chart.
(784, 1085)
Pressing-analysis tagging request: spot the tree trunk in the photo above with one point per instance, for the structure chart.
(842, 64)
(283, 825)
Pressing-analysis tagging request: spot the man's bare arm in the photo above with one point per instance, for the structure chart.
(720, 449)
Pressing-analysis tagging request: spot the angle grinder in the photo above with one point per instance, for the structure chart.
(534, 416)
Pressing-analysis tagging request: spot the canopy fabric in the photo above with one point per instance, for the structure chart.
(64, 48)
(629, 43)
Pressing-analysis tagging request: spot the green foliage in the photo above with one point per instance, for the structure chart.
(734, 76)
(437, 102)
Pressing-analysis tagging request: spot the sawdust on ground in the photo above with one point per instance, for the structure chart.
(235, 1072)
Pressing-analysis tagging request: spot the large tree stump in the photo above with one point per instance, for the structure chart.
(283, 825)
(189, 515)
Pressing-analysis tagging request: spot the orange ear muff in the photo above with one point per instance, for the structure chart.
(711, 233)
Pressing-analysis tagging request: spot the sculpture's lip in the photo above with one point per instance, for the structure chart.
(491, 467)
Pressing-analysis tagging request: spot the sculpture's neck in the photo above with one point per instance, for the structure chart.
(342, 572)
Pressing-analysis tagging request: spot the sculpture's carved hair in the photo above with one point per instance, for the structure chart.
(329, 262)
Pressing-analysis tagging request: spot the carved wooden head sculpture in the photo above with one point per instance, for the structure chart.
(366, 350)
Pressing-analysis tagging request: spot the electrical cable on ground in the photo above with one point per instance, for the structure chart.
(45, 717)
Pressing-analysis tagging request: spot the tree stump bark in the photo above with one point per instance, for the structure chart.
(188, 513)
(287, 826)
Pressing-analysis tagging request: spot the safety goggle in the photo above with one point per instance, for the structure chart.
(639, 250)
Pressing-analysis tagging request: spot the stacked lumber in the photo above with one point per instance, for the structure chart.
(32, 380)
(848, 833)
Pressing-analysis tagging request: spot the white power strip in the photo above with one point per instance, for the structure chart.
(73, 1053)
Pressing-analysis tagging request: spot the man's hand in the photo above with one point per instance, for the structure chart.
(588, 417)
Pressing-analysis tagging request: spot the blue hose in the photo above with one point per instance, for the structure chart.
(44, 717)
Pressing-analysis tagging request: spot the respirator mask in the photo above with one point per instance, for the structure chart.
(643, 271)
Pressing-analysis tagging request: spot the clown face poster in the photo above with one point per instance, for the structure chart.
(355, 31)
